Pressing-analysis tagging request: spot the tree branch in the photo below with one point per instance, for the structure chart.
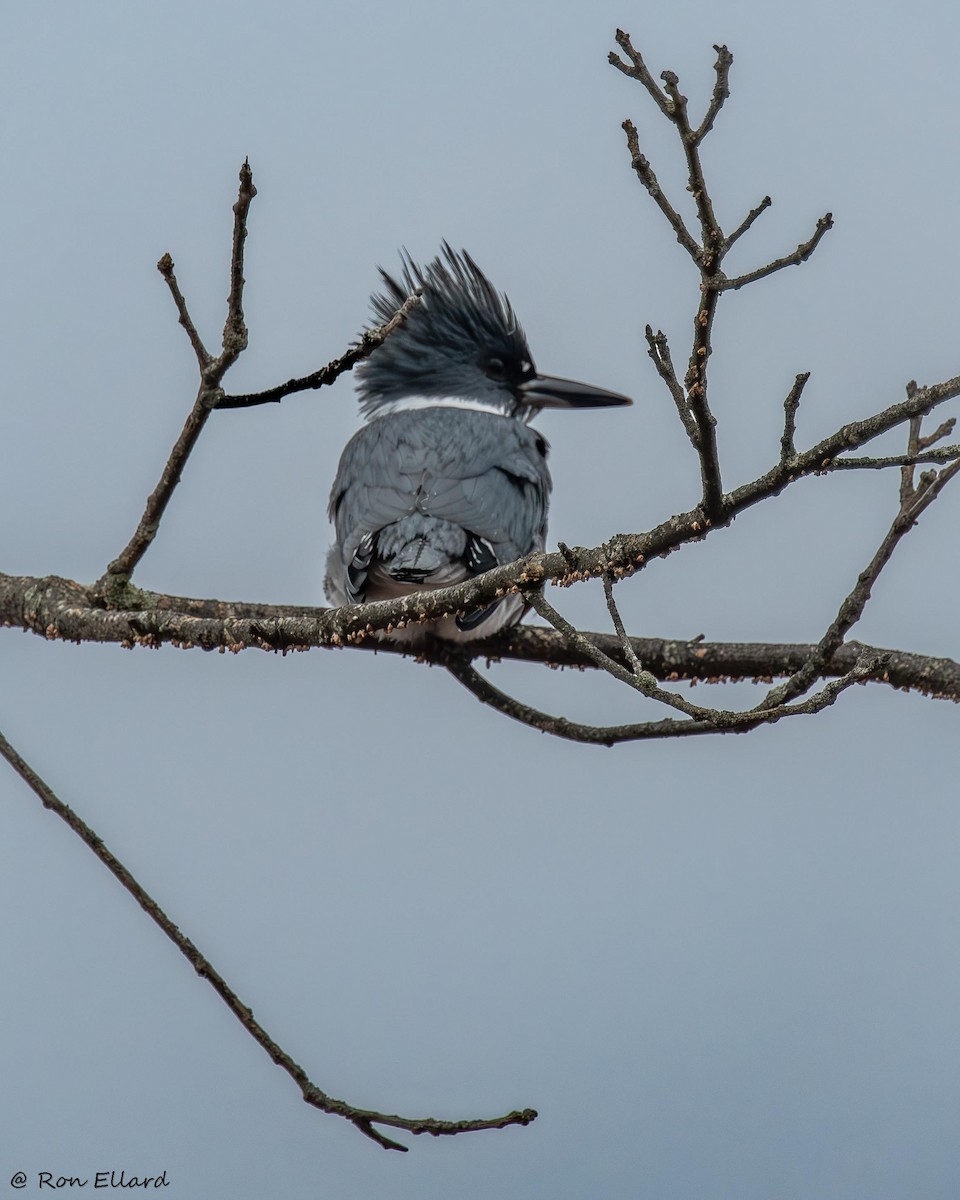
(722, 284)
(788, 447)
(659, 351)
(235, 329)
(610, 735)
(747, 222)
(645, 174)
(621, 555)
(721, 92)
(913, 503)
(56, 608)
(637, 69)
(165, 267)
(721, 720)
(212, 371)
(112, 585)
(363, 1119)
(369, 341)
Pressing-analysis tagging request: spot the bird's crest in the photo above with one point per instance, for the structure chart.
(448, 341)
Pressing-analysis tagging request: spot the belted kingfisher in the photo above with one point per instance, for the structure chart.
(446, 480)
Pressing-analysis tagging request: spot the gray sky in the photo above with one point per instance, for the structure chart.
(718, 968)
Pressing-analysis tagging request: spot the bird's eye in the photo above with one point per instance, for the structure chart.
(496, 370)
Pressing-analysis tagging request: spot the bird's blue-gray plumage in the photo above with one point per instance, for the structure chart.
(446, 480)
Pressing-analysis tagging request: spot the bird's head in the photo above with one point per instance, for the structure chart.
(462, 343)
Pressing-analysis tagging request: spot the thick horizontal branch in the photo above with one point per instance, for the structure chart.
(58, 608)
(621, 555)
(61, 609)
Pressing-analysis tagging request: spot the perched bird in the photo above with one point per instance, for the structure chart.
(446, 480)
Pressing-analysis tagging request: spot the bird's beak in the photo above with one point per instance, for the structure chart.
(547, 391)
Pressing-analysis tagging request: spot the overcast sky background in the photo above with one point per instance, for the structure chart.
(719, 968)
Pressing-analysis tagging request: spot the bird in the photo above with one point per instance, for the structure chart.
(447, 479)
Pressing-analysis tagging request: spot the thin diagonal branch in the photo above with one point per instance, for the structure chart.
(658, 349)
(212, 370)
(943, 430)
(210, 395)
(625, 644)
(914, 502)
(722, 284)
(122, 567)
(363, 1119)
(571, 731)
(647, 177)
(747, 222)
(637, 69)
(165, 267)
(642, 681)
(671, 727)
(370, 340)
(724, 720)
(721, 92)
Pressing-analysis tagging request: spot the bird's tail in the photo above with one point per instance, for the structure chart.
(423, 551)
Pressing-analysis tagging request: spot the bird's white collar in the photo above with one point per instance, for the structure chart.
(416, 403)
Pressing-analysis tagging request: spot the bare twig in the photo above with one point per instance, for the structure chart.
(913, 502)
(671, 727)
(788, 447)
(212, 370)
(709, 257)
(625, 644)
(722, 284)
(694, 407)
(649, 180)
(642, 681)
(747, 221)
(943, 430)
(637, 69)
(210, 395)
(721, 92)
(363, 1119)
(723, 720)
(370, 340)
(165, 267)
(572, 731)
(659, 351)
